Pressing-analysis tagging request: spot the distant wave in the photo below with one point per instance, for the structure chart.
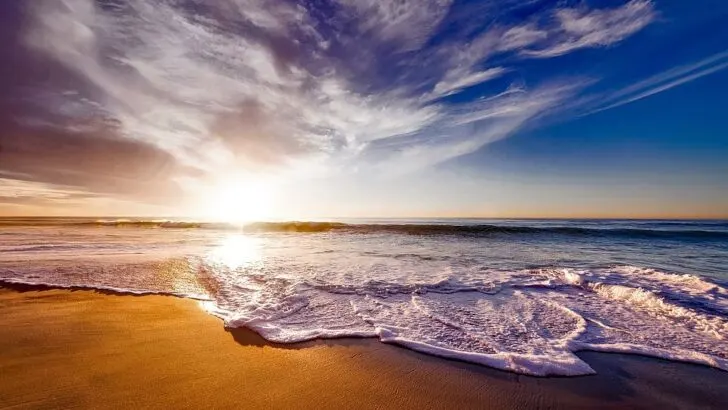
(118, 223)
(480, 230)
(486, 230)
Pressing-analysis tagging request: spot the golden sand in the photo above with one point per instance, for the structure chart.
(85, 349)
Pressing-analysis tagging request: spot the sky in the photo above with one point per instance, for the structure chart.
(258, 109)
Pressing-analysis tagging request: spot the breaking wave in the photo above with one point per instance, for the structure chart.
(530, 322)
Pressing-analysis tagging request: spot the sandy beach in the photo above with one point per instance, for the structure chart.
(89, 349)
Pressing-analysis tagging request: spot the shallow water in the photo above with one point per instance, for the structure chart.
(519, 295)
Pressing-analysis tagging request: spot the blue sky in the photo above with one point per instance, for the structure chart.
(611, 108)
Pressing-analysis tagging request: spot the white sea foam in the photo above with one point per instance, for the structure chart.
(435, 295)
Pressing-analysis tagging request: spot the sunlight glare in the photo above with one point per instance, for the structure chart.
(236, 251)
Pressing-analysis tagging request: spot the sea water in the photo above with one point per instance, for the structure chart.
(518, 295)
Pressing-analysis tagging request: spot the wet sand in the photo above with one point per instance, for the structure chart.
(89, 349)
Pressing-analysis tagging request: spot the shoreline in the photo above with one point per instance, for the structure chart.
(101, 349)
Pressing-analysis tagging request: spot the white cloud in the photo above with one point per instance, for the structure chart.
(454, 82)
(410, 23)
(19, 189)
(579, 28)
(171, 78)
(519, 37)
(575, 28)
(255, 84)
(468, 127)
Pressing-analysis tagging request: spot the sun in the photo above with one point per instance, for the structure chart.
(239, 200)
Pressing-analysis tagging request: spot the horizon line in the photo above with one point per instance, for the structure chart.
(333, 218)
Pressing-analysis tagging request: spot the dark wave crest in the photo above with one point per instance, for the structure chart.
(480, 230)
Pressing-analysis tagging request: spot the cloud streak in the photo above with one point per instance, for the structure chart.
(665, 81)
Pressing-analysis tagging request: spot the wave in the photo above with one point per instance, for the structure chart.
(49, 247)
(488, 230)
(529, 322)
(479, 230)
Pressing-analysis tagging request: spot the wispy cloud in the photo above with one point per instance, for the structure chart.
(406, 23)
(20, 192)
(454, 82)
(578, 28)
(263, 85)
(664, 81)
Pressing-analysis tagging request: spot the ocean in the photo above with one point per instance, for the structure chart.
(518, 295)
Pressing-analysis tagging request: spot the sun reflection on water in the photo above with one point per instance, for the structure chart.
(236, 251)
